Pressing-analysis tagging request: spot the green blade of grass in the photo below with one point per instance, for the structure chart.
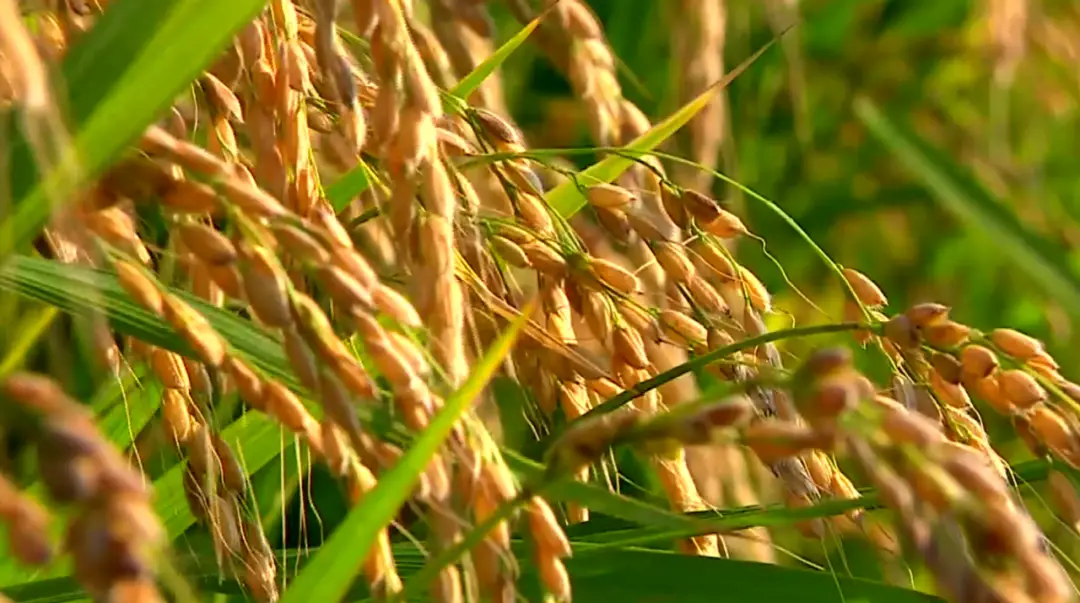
(255, 437)
(121, 76)
(78, 290)
(347, 187)
(653, 577)
(472, 81)
(29, 330)
(567, 199)
(331, 571)
(960, 194)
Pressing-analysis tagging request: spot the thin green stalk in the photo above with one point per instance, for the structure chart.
(704, 360)
(32, 331)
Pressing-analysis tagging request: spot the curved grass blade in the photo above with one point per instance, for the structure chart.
(960, 194)
(349, 186)
(332, 569)
(567, 199)
(74, 289)
(122, 75)
(472, 81)
(637, 576)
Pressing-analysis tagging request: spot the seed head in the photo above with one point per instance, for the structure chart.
(704, 209)
(865, 289)
(1021, 389)
(977, 361)
(609, 196)
(615, 276)
(947, 334)
(926, 314)
(1015, 343)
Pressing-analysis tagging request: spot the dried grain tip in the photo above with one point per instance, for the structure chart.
(682, 328)
(396, 306)
(207, 244)
(947, 334)
(1016, 344)
(545, 529)
(865, 289)
(139, 286)
(1021, 388)
(702, 208)
(176, 416)
(1055, 432)
(544, 258)
(609, 196)
(926, 314)
(615, 276)
(726, 225)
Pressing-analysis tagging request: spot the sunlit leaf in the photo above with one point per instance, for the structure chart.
(334, 567)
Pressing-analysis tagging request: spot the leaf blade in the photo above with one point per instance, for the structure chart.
(330, 572)
(566, 199)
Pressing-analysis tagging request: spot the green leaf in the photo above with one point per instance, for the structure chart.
(347, 187)
(567, 199)
(472, 81)
(960, 194)
(254, 437)
(635, 576)
(121, 76)
(78, 290)
(331, 571)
